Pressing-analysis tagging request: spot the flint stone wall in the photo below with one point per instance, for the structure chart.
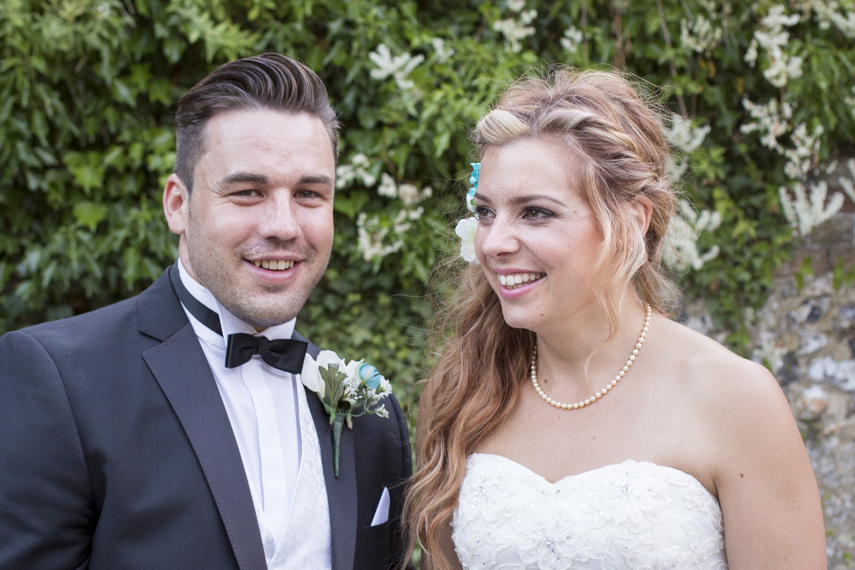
(807, 337)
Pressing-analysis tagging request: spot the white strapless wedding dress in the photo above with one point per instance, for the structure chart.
(635, 515)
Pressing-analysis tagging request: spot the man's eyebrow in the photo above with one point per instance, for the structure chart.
(253, 178)
(317, 179)
(243, 177)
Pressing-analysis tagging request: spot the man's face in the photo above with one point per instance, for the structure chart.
(257, 228)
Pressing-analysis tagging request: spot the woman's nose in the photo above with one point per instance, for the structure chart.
(500, 237)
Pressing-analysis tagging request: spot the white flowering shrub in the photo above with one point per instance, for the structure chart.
(769, 121)
(701, 30)
(681, 245)
(848, 183)
(572, 39)
(398, 67)
(805, 207)
(774, 40)
(517, 26)
(685, 138)
(359, 169)
(379, 236)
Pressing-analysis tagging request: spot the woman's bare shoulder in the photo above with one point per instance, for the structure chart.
(704, 364)
(730, 394)
(750, 448)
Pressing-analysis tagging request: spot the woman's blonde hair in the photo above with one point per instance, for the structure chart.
(615, 139)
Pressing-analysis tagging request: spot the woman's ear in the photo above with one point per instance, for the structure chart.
(642, 211)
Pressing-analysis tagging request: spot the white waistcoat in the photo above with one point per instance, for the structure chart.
(305, 541)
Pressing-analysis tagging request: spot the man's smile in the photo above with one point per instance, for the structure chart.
(275, 265)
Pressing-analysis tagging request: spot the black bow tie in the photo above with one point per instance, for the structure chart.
(284, 354)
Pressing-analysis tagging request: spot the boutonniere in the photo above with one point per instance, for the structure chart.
(346, 390)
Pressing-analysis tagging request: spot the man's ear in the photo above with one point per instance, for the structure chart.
(176, 204)
(642, 211)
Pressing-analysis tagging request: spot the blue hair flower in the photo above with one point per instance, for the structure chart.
(476, 172)
(473, 180)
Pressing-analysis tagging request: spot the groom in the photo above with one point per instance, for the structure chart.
(164, 431)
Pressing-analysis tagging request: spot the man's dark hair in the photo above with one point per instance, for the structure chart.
(266, 81)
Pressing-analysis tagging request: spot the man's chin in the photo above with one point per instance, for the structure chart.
(265, 316)
(263, 305)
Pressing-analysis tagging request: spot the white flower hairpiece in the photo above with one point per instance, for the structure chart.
(466, 227)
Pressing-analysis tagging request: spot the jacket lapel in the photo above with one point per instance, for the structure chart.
(341, 491)
(181, 369)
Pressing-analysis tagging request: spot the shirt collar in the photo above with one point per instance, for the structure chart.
(228, 321)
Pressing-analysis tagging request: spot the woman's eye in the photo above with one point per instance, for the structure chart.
(481, 212)
(536, 213)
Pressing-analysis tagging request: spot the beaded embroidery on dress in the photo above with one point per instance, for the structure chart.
(633, 515)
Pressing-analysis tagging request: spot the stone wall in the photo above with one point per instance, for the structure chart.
(807, 337)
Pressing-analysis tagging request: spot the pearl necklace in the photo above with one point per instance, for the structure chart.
(602, 392)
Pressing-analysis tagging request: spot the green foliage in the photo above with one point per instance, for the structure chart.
(89, 87)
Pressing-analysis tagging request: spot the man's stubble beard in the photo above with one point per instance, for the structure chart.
(265, 310)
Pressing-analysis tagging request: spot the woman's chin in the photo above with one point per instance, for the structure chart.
(519, 319)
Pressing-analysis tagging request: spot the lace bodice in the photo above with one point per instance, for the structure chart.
(635, 515)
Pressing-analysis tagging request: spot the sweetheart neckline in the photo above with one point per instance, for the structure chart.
(601, 468)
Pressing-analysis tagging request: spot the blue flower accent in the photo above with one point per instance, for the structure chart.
(473, 179)
(369, 376)
(476, 173)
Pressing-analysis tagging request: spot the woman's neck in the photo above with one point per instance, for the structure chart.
(565, 349)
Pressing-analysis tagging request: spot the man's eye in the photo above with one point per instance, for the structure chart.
(306, 194)
(249, 193)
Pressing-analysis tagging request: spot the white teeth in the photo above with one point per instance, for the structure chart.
(275, 265)
(512, 281)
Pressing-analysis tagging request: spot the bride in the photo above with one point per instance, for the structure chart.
(569, 423)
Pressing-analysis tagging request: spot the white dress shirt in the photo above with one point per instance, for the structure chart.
(262, 405)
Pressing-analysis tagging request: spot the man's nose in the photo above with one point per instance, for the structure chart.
(278, 219)
(502, 237)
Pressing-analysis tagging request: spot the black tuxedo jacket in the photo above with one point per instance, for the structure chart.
(116, 453)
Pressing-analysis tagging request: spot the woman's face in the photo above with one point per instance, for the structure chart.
(537, 240)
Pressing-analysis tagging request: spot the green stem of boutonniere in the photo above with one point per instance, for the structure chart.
(337, 407)
(337, 423)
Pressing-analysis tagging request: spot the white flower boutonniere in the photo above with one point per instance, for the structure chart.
(346, 390)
